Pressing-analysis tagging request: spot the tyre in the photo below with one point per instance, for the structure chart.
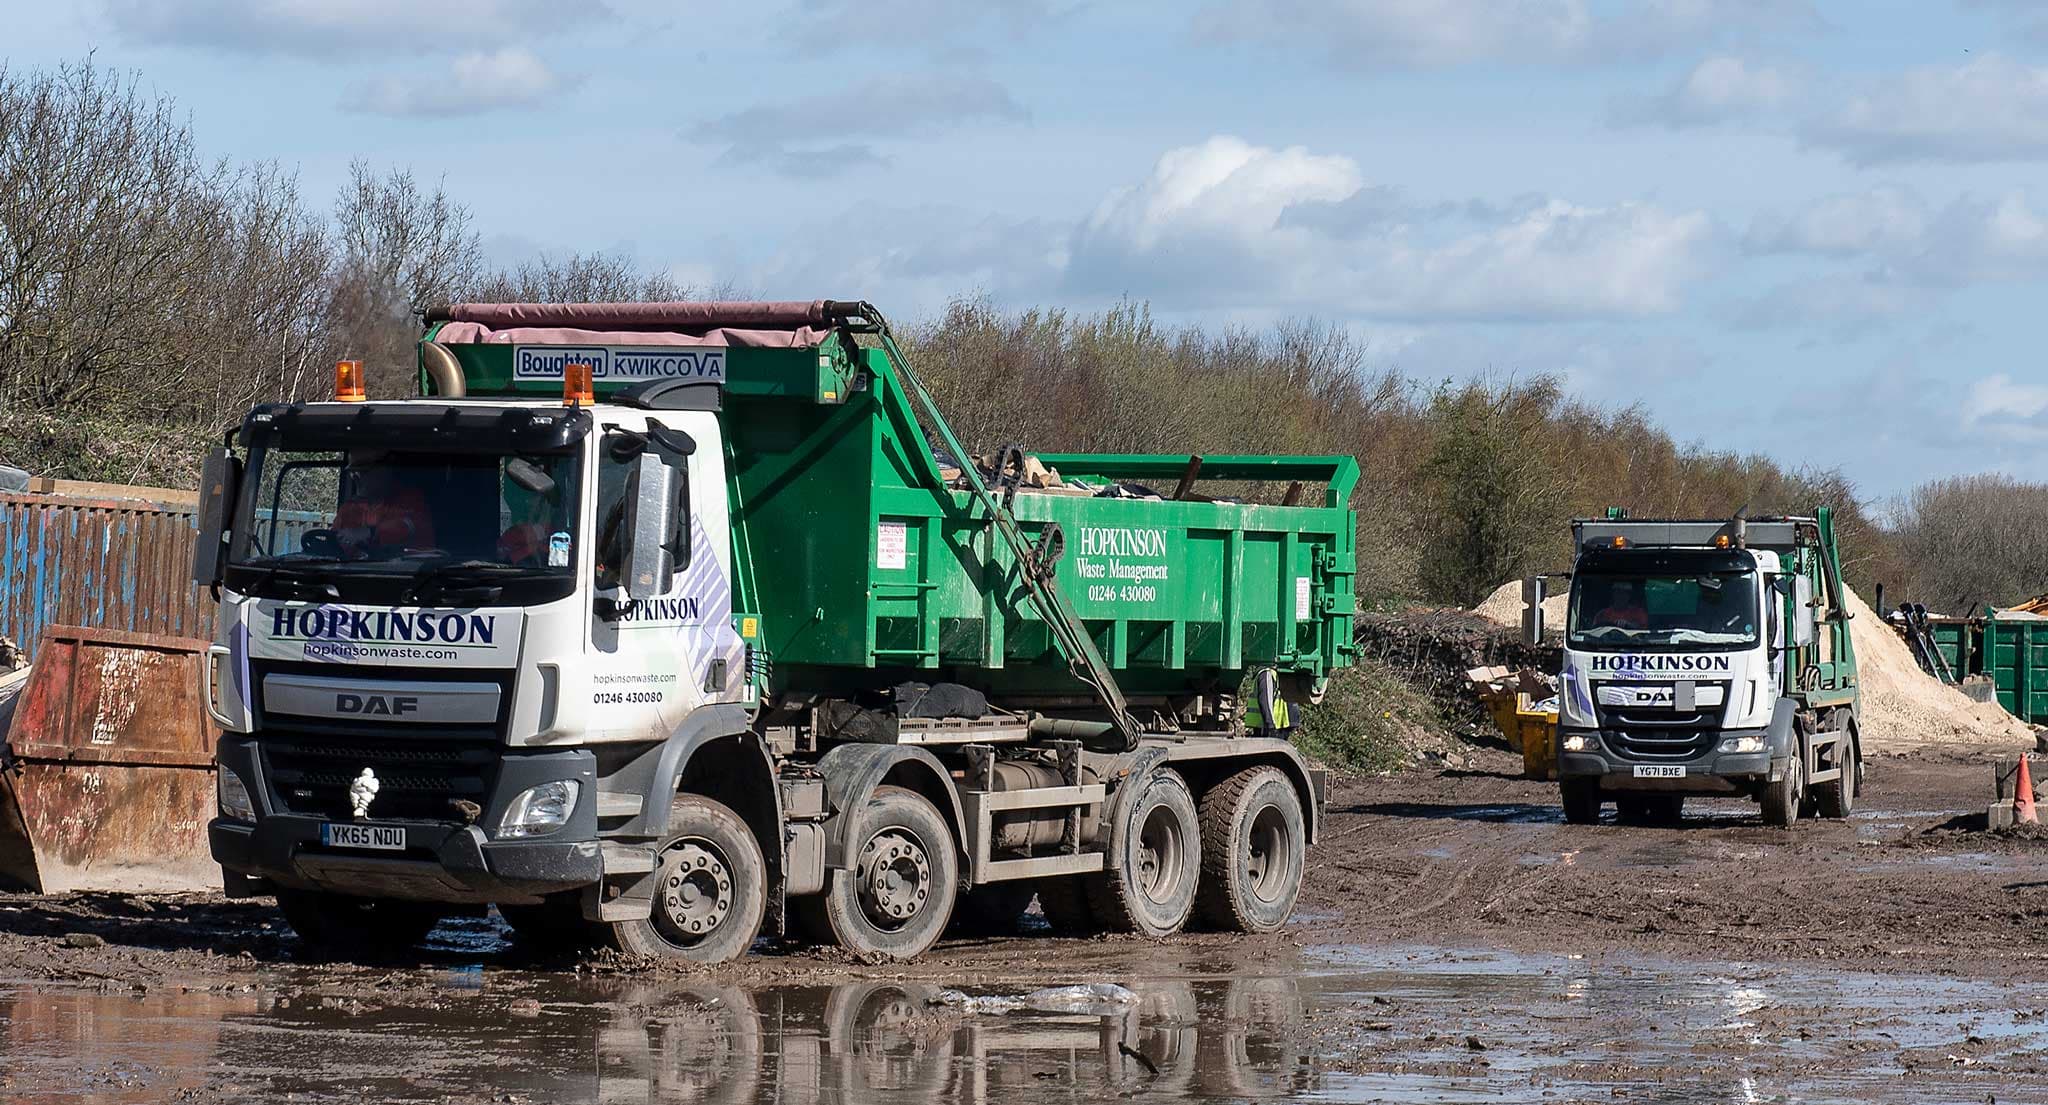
(711, 889)
(1581, 800)
(992, 909)
(1837, 797)
(1254, 847)
(1063, 902)
(898, 897)
(356, 928)
(1781, 800)
(1152, 893)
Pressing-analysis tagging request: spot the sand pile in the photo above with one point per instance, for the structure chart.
(1504, 606)
(1903, 707)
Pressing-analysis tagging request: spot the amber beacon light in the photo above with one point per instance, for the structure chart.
(577, 390)
(348, 382)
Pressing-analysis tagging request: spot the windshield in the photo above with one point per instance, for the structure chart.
(1629, 610)
(398, 513)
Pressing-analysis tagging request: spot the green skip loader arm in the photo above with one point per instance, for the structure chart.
(1073, 641)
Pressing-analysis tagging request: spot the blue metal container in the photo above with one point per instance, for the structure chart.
(111, 563)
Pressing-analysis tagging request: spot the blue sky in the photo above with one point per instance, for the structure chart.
(1817, 231)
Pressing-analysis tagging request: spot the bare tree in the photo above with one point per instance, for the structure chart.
(140, 286)
(400, 248)
(1971, 540)
(578, 278)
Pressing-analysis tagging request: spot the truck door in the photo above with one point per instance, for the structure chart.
(656, 658)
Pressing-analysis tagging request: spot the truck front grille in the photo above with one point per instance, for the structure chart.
(1661, 745)
(310, 773)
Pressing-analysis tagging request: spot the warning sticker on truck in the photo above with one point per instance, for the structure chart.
(892, 545)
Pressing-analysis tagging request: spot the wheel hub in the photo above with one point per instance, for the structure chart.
(1159, 855)
(895, 878)
(1268, 855)
(695, 891)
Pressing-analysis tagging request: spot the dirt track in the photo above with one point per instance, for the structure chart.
(1483, 857)
(1457, 942)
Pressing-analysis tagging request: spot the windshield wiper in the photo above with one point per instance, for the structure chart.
(296, 578)
(465, 575)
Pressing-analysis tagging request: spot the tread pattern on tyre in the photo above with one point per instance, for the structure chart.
(640, 937)
(1216, 901)
(1111, 899)
(842, 909)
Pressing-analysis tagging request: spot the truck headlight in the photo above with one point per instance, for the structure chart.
(1743, 744)
(1581, 742)
(540, 810)
(233, 795)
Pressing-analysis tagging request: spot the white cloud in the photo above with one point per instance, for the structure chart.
(1970, 240)
(328, 27)
(1844, 305)
(892, 106)
(1719, 89)
(923, 255)
(1224, 187)
(470, 84)
(1989, 108)
(1226, 222)
(1371, 34)
(1885, 218)
(2008, 408)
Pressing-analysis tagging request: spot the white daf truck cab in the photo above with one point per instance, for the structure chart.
(1704, 658)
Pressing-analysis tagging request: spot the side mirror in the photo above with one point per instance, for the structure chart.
(1533, 589)
(652, 498)
(218, 482)
(1804, 629)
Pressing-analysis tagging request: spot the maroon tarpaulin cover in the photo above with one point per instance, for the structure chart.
(775, 325)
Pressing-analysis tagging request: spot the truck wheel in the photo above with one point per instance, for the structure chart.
(1781, 800)
(992, 909)
(710, 888)
(1153, 892)
(339, 925)
(1581, 800)
(897, 898)
(1063, 901)
(1254, 846)
(1837, 797)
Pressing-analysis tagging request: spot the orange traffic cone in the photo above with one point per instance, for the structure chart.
(2023, 796)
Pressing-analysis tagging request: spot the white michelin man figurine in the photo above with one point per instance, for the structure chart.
(361, 792)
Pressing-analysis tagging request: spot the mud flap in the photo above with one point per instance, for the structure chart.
(110, 775)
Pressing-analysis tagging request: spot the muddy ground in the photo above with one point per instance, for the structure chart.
(1456, 942)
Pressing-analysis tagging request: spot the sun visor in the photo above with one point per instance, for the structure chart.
(420, 427)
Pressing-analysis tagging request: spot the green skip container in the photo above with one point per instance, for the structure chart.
(859, 556)
(2015, 656)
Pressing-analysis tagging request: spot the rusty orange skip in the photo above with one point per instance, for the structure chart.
(108, 774)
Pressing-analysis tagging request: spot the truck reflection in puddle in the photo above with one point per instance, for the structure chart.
(892, 1041)
(658, 1042)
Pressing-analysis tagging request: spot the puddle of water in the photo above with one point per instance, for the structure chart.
(1671, 1031)
(1339, 1025)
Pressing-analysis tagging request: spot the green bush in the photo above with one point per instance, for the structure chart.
(1369, 721)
